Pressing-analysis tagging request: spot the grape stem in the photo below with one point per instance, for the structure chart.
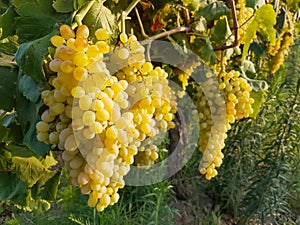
(235, 28)
(125, 14)
(82, 13)
(140, 23)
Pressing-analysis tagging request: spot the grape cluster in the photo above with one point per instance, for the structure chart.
(236, 90)
(244, 17)
(104, 120)
(213, 124)
(153, 103)
(279, 50)
(212, 135)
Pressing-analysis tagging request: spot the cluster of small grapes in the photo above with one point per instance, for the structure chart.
(216, 115)
(211, 113)
(236, 90)
(279, 50)
(244, 17)
(102, 121)
(153, 102)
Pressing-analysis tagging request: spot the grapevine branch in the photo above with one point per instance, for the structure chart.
(235, 28)
(169, 33)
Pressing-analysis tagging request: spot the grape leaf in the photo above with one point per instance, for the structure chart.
(49, 161)
(29, 170)
(37, 18)
(47, 186)
(6, 22)
(202, 47)
(21, 151)
(221, 32)
(29, 57)
(12, 189)
(100, 16)
(10, 131)
(8, 80)
(263, 22)
(77, 4)
(28, 117)
(63, 6)
(213, 11)
(29, 88)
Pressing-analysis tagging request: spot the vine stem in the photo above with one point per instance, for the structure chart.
(130, 7)
(82, 13)
(169, 33)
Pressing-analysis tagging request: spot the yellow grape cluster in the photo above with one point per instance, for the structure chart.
(153, 103)
(213, 130)
(99, 120)
(236, 91)
(244, 17)
(279, 50)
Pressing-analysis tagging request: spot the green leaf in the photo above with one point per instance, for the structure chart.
(8, 81)
(77, 4)
(12, 189)
(30, 55)
(221, 32)
(100, 16)
(29, 170)
(21, 151)
(63, 6)
(50, 187)
(49, 161)
(203, 48)
(263, 22)
(10, 131)
(7, 22)
(259, 99)
(37, 18)
(28, 117)
(29, 88)
(213, 11)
